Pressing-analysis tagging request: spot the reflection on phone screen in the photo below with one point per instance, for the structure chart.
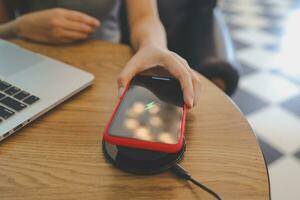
(151, 110)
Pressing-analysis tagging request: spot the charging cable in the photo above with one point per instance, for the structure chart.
(182, 173)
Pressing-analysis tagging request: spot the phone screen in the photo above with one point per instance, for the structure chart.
(151, 110)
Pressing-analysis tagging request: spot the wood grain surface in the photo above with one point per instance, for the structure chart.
(59, 155)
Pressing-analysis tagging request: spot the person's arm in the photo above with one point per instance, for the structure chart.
(50, 26)
(148, 39)
(145, 25)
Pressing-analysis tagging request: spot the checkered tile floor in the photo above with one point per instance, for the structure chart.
(266, 35)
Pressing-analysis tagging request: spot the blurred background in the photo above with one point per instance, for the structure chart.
(266, 35)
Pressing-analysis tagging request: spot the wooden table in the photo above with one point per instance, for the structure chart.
(59, 155)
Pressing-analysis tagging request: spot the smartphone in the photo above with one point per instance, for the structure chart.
(149, 115)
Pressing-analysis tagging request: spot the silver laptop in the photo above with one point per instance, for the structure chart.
(31, 84)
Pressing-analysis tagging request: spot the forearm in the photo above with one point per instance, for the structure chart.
(148, 31)
(145, 25)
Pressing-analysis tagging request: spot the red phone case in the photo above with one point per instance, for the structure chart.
(134, 143)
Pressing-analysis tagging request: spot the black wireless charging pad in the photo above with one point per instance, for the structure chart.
(138, 161)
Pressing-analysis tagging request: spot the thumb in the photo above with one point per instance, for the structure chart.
(129, 71)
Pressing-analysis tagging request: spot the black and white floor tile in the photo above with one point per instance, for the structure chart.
(266, 34)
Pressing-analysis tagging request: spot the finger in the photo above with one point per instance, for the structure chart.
(197, 87)
(77, 26)
(83, 18)
(179, 71)
(132, 68)
(195, 79)
(184, 62)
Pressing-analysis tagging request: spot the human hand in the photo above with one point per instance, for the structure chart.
(151, 56)
(56, 26)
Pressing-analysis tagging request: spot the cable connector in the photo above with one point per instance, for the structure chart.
(182, 173)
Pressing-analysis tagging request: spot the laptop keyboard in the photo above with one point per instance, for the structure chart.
(13, 100)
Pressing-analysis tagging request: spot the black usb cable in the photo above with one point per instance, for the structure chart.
(182, 173)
